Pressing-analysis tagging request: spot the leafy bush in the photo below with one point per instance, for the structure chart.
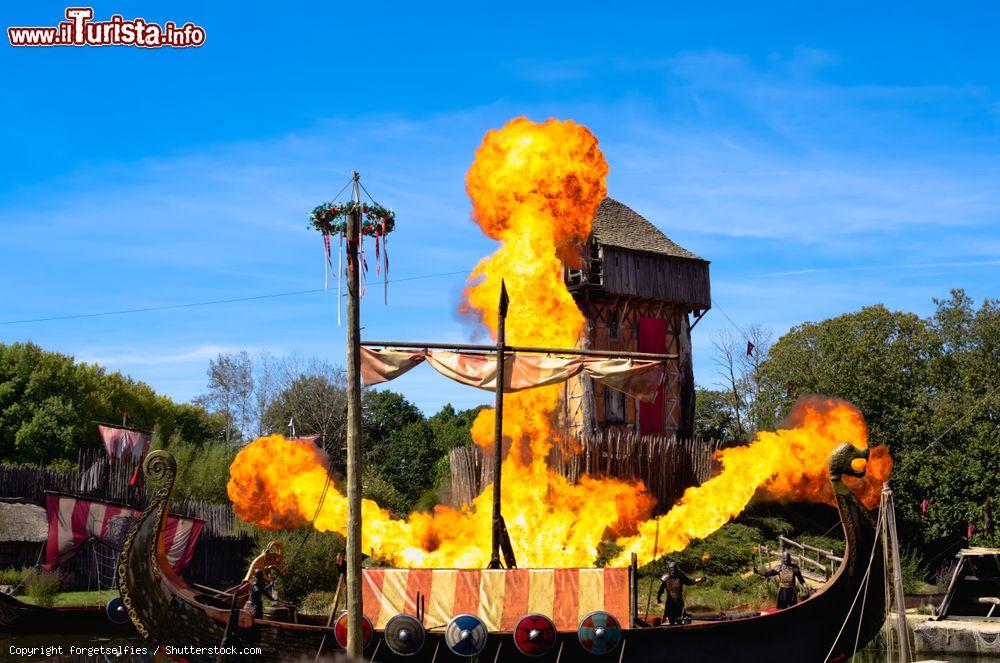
(202, 469)
(42, 586)
(427, 501)
(725, 551)
(823, 542)
(914, 573)
(376, 487)
(716, 593)
(61, 465)
(770, 526)
(607, 550)
(308, 568)
(732, 591)
(943, 576)
(12, 576)
(318, 603)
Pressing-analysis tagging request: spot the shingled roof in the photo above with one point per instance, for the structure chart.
(619, 225)
(22, 522)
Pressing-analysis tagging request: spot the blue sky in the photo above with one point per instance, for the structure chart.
(822, 159)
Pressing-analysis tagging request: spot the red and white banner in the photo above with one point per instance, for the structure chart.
(73, 521)
(124, 442)
(498, 597)
(636, 377)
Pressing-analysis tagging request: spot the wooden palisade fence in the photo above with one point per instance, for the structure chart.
(666, 466)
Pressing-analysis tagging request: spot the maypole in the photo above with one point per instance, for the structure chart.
(377, 222)
(355, 640)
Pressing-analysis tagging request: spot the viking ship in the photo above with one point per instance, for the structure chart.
(830, 625)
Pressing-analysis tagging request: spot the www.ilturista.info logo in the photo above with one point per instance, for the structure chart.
(81, 30)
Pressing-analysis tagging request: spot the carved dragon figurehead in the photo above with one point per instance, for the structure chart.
(139, 571)
(840, 464)
(841, 459)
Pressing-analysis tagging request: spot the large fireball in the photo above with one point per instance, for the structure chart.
(535, 188)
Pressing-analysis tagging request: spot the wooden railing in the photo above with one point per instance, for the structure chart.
(819, 569)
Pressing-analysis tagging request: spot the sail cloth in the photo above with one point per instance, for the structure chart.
(124, 442)
(499, 597)
(638, 378)
(74, 521)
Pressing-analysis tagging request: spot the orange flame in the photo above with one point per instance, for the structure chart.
(535, 188)
(789, 464)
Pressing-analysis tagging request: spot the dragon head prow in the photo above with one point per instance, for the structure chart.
(841, 458)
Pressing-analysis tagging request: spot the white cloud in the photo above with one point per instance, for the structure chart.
(151, 356)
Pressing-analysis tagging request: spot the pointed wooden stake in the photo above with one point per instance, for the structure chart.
(498, 526)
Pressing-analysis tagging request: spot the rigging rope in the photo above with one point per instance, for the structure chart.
(847, 618)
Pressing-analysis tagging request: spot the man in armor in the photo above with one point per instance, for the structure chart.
(673, 584)
(259, 590)
(787, 573)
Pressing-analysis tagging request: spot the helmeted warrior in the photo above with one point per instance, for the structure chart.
(673, 583)
(787, 572)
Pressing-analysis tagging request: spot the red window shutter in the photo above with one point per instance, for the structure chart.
(652, 338)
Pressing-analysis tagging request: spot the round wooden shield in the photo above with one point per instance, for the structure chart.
(340, 630)
(599, 632)
(465, 635)
(115, 610)
(404, 635)
(534, 635)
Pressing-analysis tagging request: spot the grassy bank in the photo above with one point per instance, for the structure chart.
(65, 599)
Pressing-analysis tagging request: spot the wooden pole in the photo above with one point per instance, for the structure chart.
(889, 513)
(355, 640)
(498, 427)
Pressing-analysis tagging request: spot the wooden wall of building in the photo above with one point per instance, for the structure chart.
(658, 277)
(613, 324)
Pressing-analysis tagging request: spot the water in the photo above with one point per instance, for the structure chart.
(872, 654)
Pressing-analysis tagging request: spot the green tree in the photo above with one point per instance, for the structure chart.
(878, 359)
(315, 398)
(713, 416)
(925, 387)
(202, 469)
(49, 403)
(453, 428)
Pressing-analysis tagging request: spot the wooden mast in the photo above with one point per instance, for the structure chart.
(498, 526)
(888, 513)
(355, 638)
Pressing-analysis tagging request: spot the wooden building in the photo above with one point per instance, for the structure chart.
(640, 292)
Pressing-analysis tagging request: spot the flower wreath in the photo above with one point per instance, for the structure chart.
(331, 219)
